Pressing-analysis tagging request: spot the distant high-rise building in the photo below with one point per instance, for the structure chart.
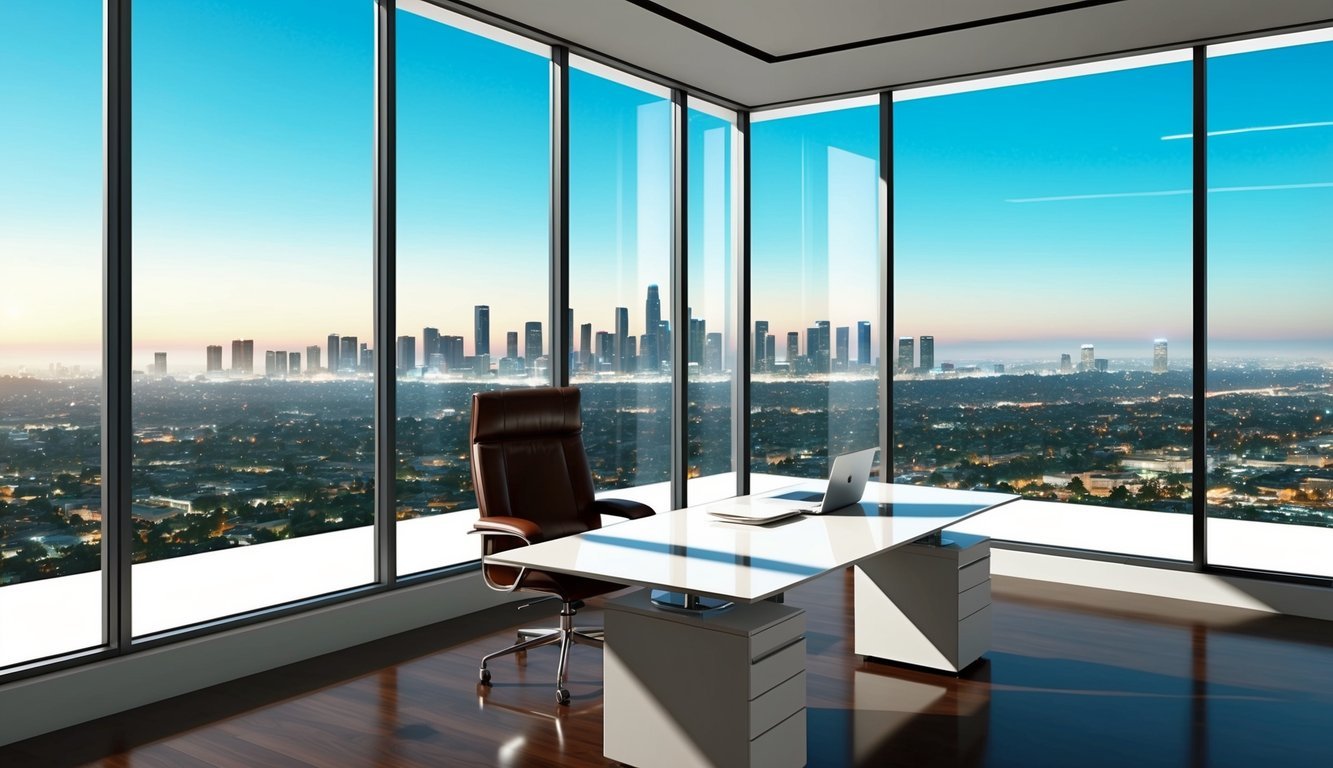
(654, 351)
(237, 356)
(620, 350)
(631, 356)
(1086, 359)
(349, 356)
(532, 343)
(511, 344)
(280, 363)
(842, 336)
(605, 352)
(160, 363)
(864, 356)
(1101, 365)
(698, 341)
(481, 321)
(335, 350)
(407, 354)
(793, 349)
(1066, 363)
(248, 354)
(451, 349)
(213, 358)
(811, 345)
(906, 354)
(430, 343)
(824, 358)
(770, 352)
(1159, 356)
(312, 359)
(367, 359)
(713, 352)
(928, 353)
(270, 363)
(760, 345)
(585, 348)
(293, 363)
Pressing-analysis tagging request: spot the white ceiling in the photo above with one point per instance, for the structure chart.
(626, 31)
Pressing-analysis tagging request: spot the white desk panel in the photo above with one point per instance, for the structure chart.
(688, 550)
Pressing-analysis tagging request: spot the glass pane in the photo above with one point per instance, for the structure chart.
(253, 441)
(712, 345)
(619, 264)
(473, 261)
(814, 282)
(1270, 415)
(50, 329)
(1042, 283)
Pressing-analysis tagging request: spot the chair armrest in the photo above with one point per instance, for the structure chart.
(630, 510)
(526, 530)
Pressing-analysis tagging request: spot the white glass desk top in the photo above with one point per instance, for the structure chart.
(688, 550)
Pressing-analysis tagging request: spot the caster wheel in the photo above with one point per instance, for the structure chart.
(485, 676)
(561, 696)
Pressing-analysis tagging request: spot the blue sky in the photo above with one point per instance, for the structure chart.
(1023, 227)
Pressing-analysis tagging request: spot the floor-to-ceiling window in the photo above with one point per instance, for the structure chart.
(252, 305)
(814, 287)
(473, 258)
(50, 329)
(1041, 299)
(711, 364)
(619, 276)
(1270, 320)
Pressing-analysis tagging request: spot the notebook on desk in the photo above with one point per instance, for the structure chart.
(846, 484)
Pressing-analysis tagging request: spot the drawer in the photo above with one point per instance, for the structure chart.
(783, 746)
(974, 599)
(777, 667)
(971, 575)
(973, 636)
(776, 636)
(777, 705)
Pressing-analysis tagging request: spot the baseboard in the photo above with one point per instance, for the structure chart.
(1236, 592)
(68, 697)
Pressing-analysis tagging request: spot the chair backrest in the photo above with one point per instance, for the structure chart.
(528, 461)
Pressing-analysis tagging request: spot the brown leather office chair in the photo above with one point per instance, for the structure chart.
(533, 484)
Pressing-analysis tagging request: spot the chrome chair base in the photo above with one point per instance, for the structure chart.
(566, 635)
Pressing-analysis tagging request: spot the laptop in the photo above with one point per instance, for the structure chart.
(846, 484)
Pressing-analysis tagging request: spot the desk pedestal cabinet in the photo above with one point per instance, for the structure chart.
(927, 603)
(720, 689)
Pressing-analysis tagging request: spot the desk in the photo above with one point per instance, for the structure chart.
(702, 721)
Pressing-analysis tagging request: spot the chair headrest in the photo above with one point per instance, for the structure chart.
(525, 413)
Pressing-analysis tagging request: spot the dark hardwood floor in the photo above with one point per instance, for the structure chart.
(1076, 677)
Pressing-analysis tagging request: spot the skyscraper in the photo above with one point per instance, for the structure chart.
(349, 356)
(1159, 356)
(312, 359)
(407, 354)
(823, 358)
(334, 353)
(585, 348)
(713, 352)
(1086, 359)
(620, 361)
(653, 351)
(213, 358)
(843, 340)
(270, 364)
(430, 344)
(160, 363)
(511, 344)
(811, 345)
(760, 348)
(698, 334)
(481, 341)
(280, 363)
(605, 352)
(237, 356)
(248, 354)
(927, 353)
(293, 363)
(367, 359)
(1066, 364)
(864, 356)
(906, 354)
(770, 352)
(793, 349)
(532, 343)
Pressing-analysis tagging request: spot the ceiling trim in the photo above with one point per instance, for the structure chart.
(771, 58)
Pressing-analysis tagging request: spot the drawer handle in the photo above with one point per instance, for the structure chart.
(779, 649)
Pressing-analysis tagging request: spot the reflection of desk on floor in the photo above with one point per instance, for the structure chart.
(687, 551)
